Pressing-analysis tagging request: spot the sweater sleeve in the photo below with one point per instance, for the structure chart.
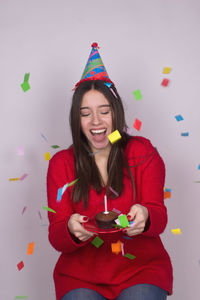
(57, 176)
(152, 195)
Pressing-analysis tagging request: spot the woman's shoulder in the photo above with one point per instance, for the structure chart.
(63, 156)
(138, 146)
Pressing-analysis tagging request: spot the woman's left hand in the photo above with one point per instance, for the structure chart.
(139, 215)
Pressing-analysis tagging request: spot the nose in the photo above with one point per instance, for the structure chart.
(96, 120)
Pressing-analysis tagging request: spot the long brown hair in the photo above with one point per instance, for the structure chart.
(86, 169)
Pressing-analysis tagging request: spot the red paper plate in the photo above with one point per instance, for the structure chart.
(91, 225)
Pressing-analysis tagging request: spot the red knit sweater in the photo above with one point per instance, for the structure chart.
(84, 265)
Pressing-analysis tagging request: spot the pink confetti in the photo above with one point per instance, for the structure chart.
(122, 247)
(23, 176)
(114, 192)
(116, 210)
(20, 150)
(25, 207)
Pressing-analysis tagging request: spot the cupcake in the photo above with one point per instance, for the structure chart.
(106, 220)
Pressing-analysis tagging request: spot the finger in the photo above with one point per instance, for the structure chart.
(132, 213)
(81, 219)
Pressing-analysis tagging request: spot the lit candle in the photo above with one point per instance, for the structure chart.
(105, 205)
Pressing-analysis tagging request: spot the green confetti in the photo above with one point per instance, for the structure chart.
(123, 221)
(97, 242)
(55, 146)
(25, 86)
(71, 183)
(137, 94)
(26, 77)
(49, 209)
(130, 256)
(21, 297)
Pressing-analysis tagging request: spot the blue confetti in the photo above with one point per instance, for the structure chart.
(184, 133)
(59, 195)
(179, 118)
(108, 84)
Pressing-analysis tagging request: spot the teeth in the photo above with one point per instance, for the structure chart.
(98, 131)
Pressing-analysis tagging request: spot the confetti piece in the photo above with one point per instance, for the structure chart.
(93, 153)
(26, 77)
(198, 167)
(137, 124)
(114, 136)
(20, 265)
(59, 194)
(108, 84)
(25, 207)
(47, 156)
(39, 213)
(71, 183)
(179, 118)
(176, 231)
(137, 94)
(64, 188)
(167, 195)
(48, 209)
(167, 189)
(122, 246)
(55, 146)
(44, 137)
(184, 133)
(131, 223)
(114, 192)
(165, 82)
(30, 248)
(23, 176)
(126, 237)
(123, 221)
(116, 210)
(20, 150)
(116, 247)
(113, 92)
(21, 297)
(97, 242)
(166, 70)
(25, 86)
(196, 181)
(130, 256)
(14, 179)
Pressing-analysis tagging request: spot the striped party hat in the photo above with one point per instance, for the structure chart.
(94, 69)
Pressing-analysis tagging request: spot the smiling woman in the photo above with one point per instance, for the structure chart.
(100, 114)
(129, 175)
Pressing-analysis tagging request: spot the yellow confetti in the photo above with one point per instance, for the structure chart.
(14, 179)
(47, 156)
(114, 136)
(166, 70)
(176, 231)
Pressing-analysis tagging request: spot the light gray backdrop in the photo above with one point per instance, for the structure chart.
(51, 40)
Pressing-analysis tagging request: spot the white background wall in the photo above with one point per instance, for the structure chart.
(51, 40)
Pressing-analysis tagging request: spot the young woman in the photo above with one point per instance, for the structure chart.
(131, 173)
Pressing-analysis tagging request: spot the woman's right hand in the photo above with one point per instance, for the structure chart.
(75, 227)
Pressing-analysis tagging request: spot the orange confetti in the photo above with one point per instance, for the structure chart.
(116, 247)
(167, 195)
(30, 248)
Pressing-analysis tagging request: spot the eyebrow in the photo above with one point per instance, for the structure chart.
(103, 105)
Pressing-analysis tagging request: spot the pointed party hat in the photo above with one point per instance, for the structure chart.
(94, 69)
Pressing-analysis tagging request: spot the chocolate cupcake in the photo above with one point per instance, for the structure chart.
(106, 221)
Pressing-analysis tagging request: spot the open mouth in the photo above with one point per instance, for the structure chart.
(98, 131)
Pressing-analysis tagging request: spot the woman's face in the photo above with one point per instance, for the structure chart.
(96, 119)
